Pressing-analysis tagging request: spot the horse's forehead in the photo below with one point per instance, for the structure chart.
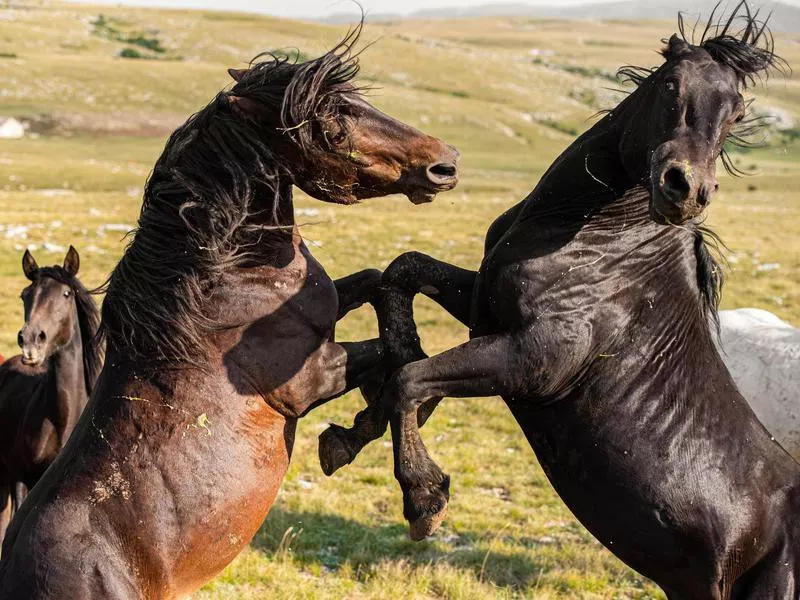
(700, 65)
(46, 285)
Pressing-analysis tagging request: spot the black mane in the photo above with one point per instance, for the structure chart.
(211, 202)
(710, 275)
(88, 321)
(741, 41)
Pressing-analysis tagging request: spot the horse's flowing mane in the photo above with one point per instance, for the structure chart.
(212, 202)
(88, 321)
(741, 41)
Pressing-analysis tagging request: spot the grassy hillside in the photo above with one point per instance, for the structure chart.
(511, 94)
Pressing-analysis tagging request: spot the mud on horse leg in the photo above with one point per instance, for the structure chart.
(409, 274)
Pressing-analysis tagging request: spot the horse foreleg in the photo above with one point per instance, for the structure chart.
(409, 274)
(484, 366)
(339, 367)
(356, 290)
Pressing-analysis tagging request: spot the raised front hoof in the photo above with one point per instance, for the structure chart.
(334, 449)
(427, 508)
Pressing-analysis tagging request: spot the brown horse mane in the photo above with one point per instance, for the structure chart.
(215, 175)
(88, 321)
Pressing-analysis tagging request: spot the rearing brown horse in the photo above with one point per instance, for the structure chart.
(219, 327)
(44, 390)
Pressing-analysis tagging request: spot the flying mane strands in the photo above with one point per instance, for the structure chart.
(212, 202)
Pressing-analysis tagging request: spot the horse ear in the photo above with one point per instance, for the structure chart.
(29, 265)
(676, 47)
(72, 261)
(237, 74)
(244, 106)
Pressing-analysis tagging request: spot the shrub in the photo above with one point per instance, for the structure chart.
(130, 53)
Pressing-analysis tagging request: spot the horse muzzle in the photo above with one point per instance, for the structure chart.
(679, 193)
(30, 342)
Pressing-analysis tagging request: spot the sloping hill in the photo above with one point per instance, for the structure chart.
(785, 17)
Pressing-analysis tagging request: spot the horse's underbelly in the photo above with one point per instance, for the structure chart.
(657, 514)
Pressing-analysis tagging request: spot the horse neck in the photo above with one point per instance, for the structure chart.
(588, 172)
(68, 378)
(275, 212)
(588, 188)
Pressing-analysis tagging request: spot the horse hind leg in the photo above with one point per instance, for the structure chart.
(409, 274)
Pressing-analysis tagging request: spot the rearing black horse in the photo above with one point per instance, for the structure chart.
(590, 317)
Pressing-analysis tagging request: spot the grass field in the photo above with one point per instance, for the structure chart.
(510, 94)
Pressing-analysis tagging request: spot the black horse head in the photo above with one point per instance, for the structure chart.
(684, 111)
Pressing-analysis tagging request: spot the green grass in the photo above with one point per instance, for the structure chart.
(472, 82)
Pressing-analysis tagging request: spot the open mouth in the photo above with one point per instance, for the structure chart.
(425, 194)
(421, 196)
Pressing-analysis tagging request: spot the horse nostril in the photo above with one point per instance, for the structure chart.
(442, 172)
(42, 336)
(676, 186)
(20, 341)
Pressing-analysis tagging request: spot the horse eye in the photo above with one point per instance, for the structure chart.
(67, 293)
(338, 137)
(670, 85)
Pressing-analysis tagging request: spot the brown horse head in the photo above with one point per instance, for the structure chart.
(58, 312)
(337, 146)
(684, 111)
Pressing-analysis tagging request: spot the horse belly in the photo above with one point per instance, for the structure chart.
(661, 525)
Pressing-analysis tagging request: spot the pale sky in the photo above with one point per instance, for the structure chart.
(320, 8)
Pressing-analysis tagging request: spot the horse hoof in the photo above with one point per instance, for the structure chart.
(428, 508)
(334, 452)
(422, 528)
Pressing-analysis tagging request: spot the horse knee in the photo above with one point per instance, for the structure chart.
(403, 271)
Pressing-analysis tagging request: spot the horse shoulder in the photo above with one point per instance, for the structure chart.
(500, 226)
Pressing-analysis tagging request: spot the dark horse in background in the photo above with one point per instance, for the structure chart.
(590, 317)
(44, 390)
(220, 335)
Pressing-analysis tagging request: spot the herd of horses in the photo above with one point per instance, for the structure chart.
(592, 315)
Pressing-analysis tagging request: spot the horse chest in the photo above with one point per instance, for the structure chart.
(278, 353)
(518, 286)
